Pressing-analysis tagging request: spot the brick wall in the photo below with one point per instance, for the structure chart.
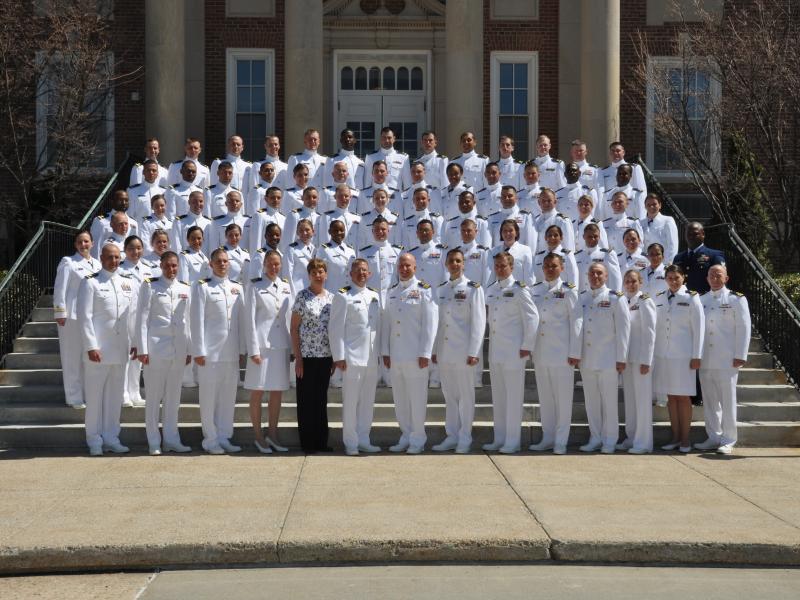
(128, 45)
(530, 36)
(237, 32)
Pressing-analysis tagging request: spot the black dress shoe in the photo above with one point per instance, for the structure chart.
(326, 449)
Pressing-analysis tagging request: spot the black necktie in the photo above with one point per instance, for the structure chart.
(670, 296)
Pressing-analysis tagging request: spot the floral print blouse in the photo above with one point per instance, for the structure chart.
(315, 312)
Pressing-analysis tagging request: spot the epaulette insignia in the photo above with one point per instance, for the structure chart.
(284, 280)
(442, 156)
(453, 218)
(344, 289)
(570, 285)
(443, 283)
(398, 246)
(620, 253)
(329, 244)
(482, 247)
(179, 217)
(559, 189)
(557, 160)
(364, 214)
(524, 211)
(435, 214)
(178, 162)
(480, 190)
(137, 164)
(297, 154)
(424, 285)
(396, 214)
(294, 244)
(256, 279)
(474, 284)
(578, 252)
(538, 283)
(295, 210)
(211, 187)
(261, 210)
(480, 217)
(520, 283)
(371, 289)
(661, 293)
(184, 252)
(482, 156)
(457, 157)
(606, 250)
(218, 217)
(739, 294)
(414, 248)
(329, 212)
(151, 279)
(183, 282)
(541, 252)
(442, 246)
(394, 286)
(692, 293)
(645, 296)
(364, 248)
(636, 190)
(206, 280)
(618, 294)
(497, 212)
(566, 251)
(92, 275)
(562, 216)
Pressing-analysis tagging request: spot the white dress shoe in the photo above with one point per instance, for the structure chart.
(435, 385)
(463, 449)
(685, 449)
(399, 447)
(707, 445)
(415, 450)
(447, 444)
(127, 403)
(608, 449)
(541, 447)
(95, 451)
(138, 401)
(228, 447)
(638, 451)
(154, 451)
(671, 446)
(262, 449)
(559, 450)
(274, 445)
(179, 448)
(725, 449)
(351, 451)
(478, 385)
(189, 384)
(591, 447)
(625, 444)
(117, 448)
(215, 450)
(508, 450)
(77, 406)
(493, 447)
(369, 448)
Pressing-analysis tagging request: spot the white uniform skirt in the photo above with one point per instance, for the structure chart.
(674, 377)
(272, 375)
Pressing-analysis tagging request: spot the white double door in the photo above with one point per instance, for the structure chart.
(367, 112)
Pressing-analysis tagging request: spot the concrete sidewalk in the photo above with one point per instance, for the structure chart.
(80, 513)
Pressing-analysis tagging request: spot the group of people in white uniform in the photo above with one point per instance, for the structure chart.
(194, 267)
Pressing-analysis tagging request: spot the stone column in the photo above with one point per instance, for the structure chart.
(599, 76)
(303, 73)
(569, 76)
(464, 74)
(165, 92)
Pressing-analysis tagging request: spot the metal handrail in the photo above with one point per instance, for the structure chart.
(774, 315)
(34, 271)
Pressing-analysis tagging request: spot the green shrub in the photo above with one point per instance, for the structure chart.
(790, 282)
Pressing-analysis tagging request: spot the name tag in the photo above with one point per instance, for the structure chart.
(234, 292)
(635, 307)
(604, 304)
(725, 306)
(558, 295)
(356, 301)
(508, 294)
(413, 295)
(683, 304)
(460, 295)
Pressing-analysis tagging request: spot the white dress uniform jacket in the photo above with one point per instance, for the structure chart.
(681, 326)
(487, 200)
(181, 226)
(140, 197)
(338, 257)
(382, 259)
(409, 323)
(298, 255)
(568, 196)
(217, 320)
(524, 220)
(268, 308)
(177, 197)
(635, 196)
(215, 197)
(616, 225)
(477, 261)
(354, 329)
(258, 227)
(450, 195)
(137, 175)
(474, 166)
(638, 387)
(523, 261)
(462, 321)
(241, 168)
(430, 259)
(435, 168)
(313, 160)
(162, 320)
(202, 178)
(511, 172)
(149, 225)
(254, 178)
(588, 256)
(350, 220)
(355, 169)
(103, 309)
(512, 318)
(570, 273)
(551, 172)
(397, 163)
(580, 224)
(451, 229)
(606, 328)
(660, 229)
(545, 220)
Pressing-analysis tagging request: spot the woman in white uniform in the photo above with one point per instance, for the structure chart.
(553, 237)
(239, 258)
(162, 342)
(268, 307)
(159, 242)
(637, 378)
(158, 219)
(654, 277)
(298, 254)
(71, 271)
(631, 257)
(522, 255)
(194, 266)
(680, 330)
(586, 216)
(138, 271)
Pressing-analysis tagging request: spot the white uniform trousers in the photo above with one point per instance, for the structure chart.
(719, 404)
(358, 400)
(555, 386)
(638, 406)
(102, 392)
(190, 374)
(477, 371)
(459, 395)
(133, 378)
(70, 344)
(410, 393)
(435, 377)
(162, 385)
(217, 397)
(602, 412)
(508, 388)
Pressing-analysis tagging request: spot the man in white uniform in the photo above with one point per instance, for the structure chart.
(152, 149)
(309, 157)
(241, 167)
(347, 155)
(396, 162)
(551, 170)
(104, 314)
(354, 332)
(408, 330)
(435, 163)
(473, 165)
(193, 149)
(218, 337)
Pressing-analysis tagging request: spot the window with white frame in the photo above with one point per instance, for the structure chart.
(249, 98)
(513, 102)
(685, 91)
(58, 112)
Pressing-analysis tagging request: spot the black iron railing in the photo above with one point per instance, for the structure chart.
(774, 315)
(34, 272)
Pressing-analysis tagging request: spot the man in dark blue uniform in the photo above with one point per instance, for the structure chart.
(697, 259)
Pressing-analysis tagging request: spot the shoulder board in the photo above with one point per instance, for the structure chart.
(497, 212)
(256, 279)
(435, 214)
(262, 250)
(414, 248)
(692, 293)
(148, 218)
(738, 294)
(101, 217)
(398, 246)
(396, 214)
(261, 210)
(457, 157)
(481, 190)
(179, 217)
(430, 187)
(558, 160)
(92, 275)
(620, 253)
(138, 164)
(524, 211)
(606, 250)
(566, 251)
(294, 244)
(570, 285)
(328, 244)
(218, 217)
(364, 214)
(391, 189)
(424, 285)
(541, 252)
(519, 162)
(482, 156)
(586, 187)
(295, 210)
(211, 187)
(284, 280)
(184, 252)
(206, 280)
(637, 190)
(151, 279)
(480, 217)
(409, 217)
(291, 189)
(329, 212)
(520, 284)
(559, 189)
(661, 293)
(183, 282)
(595, 166)
(482, 247)
(617, 294)
(364, 248)
(177, 162)
(562, 216)
(606, 167)
(645, 296)
(344, 289)
(443, 283)
(579, 251)
(453, 218)
(297, 154)
(538, 283)
(442, 246)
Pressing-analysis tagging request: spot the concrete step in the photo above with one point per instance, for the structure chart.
(58, 413)
(42, 314)
(43, 345)
(40, 329)
(46, 301)
(73, 436)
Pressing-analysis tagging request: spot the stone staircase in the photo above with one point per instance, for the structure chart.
(33, 413)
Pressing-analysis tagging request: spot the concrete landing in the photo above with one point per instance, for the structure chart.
(76, 513)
